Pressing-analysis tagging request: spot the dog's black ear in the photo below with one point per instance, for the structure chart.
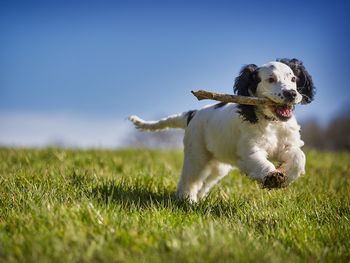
(247, 81)
(305, 84)
(245, 85)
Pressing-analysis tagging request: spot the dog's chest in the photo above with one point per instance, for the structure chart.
(272, 139)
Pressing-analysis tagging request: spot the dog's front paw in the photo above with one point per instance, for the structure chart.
(274, 179)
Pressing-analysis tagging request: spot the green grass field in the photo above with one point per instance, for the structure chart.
(118, 206)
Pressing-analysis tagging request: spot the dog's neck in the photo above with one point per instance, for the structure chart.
(254, 114)
(261, 115)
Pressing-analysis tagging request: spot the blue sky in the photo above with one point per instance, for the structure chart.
(96, 62)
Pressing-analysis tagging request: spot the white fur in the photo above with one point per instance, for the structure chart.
(219, 139)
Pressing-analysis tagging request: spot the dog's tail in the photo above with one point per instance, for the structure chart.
(180, 120)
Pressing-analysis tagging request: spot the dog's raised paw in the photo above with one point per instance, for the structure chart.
(274, 179)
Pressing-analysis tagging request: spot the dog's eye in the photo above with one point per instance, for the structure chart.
(272, 80)
(294, 79)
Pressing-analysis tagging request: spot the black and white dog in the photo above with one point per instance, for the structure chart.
(225, 135)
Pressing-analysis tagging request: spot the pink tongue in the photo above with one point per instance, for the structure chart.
(285, 111)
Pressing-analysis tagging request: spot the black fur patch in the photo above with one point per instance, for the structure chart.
(190, 114)
(248, 113)
(245, 85)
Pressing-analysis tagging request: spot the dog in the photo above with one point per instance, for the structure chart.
(224, 136)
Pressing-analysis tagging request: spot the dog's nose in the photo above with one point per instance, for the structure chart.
(290, 95)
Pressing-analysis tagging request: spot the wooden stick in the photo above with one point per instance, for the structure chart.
(202, 95)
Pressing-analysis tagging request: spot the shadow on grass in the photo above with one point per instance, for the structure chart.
(140, 197)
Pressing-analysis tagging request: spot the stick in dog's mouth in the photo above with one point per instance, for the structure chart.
(202, 95)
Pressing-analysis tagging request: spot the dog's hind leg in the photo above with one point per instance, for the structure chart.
(194, 171)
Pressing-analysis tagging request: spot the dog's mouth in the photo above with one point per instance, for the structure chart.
(283, 112)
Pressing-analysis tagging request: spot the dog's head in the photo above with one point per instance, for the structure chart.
(285, 82)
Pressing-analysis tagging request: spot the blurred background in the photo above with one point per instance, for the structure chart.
(72, 71)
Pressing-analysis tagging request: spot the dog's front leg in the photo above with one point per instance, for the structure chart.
(293, 163)
(256, 165)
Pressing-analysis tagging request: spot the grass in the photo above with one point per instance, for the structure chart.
(118, 206)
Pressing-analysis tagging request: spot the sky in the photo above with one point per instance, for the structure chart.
(72, 71)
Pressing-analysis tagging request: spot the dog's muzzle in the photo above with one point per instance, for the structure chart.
(290, 95)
